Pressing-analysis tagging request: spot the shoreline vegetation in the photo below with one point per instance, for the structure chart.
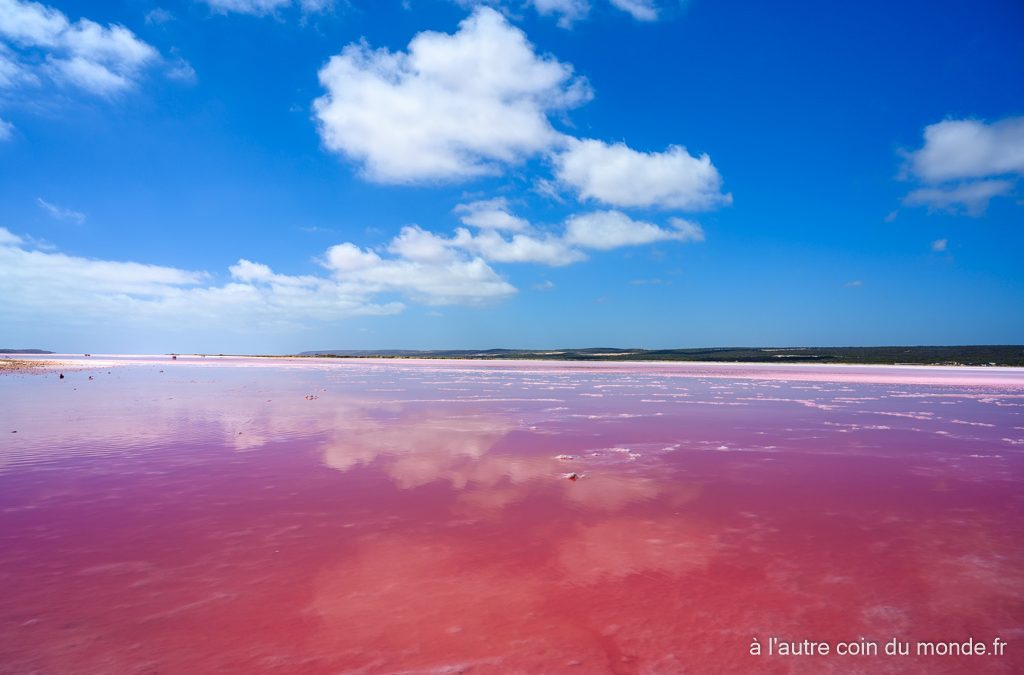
(965, 355)
(970, 355)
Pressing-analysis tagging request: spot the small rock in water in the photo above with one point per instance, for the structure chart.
(571, 476)
(62, 376)
(565, 457)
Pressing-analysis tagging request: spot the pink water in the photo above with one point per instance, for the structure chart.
(282, 516)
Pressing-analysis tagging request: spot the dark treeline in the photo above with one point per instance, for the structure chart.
(970, 355)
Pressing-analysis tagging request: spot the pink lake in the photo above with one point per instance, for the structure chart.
(399, 516)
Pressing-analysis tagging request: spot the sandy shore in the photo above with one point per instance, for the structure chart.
(9, 366)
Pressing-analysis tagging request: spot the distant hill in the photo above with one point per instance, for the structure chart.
(968, 355)
(25, 351)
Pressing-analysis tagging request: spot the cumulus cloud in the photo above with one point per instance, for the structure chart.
(40, 41)
(441, 280)
(492, 214)
(519, 248)
(641, 10)
(598, 230)
(59, 212)
(617, 175)
(605, 230)
(964, 149)
(450, 107)
(964, 164)
(414, 243)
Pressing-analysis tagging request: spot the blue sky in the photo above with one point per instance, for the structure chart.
(281, 175)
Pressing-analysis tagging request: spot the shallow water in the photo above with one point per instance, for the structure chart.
(302, 516)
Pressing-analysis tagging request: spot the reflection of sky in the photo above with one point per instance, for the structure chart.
(412, 515)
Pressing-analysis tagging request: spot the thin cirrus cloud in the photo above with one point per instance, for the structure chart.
(970, 197)
(39, 42)
(265, 7)
(641, 10)
(452, 107)
(60, 212)
(964, 164)
(567, 11)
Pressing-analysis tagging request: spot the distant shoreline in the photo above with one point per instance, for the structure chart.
(977, 356)
(973, 355)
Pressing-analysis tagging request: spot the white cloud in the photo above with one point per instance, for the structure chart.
(8, 238)
(12, 72)
(316, 6)
(687, 230)
(425, 267)
(620, 176)
(641, 10)
(491, 214)
(602, 230)
(43, 41)
(567, 11)
(856, 283)
(519, 248)
(265, 7)
(940, 245)
(181, 70)
(31, 23)
(158, 16)
(6, 130)
(605, 230)
(450, 107)
(963, 149)
(59, 212)
(89, 75)
(963, 164)
(972, 198)
(254, 7)
(440, 281)
(414, 243)
(39, 285)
